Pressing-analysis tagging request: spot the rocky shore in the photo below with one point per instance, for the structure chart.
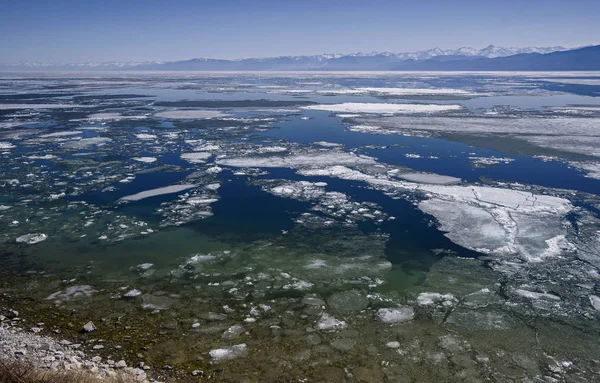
(21, 341)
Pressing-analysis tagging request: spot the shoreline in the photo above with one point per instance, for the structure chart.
(22, 342)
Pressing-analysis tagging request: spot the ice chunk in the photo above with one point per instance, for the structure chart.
(233, 332)
(144, 266)
(190, 114)
(226, 354)
(85, 142)
(396, 315)
(132, 293)
(595, 302)
(32, 239)
(145, 159)
(73, 292)
(42, 106)
(533, 295)
(159, 191)
(6, 146)
(326, 144)
(62, 134)
(196, 157)
(327, 322)
(426, 299)
(146, 136)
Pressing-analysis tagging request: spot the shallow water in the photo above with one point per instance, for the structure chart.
(279, 248)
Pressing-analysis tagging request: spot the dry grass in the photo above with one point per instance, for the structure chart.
(18, 372)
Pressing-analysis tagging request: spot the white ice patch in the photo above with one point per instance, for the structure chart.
(158, 191)
(272, 149)
(226, 354)
(298, 285)
(146, 136)
(112, 116)
(499, 221)
(200, 258)
(369, 129)
(534, 296)
(418, 91)
(591, 169)
(148, 160)
(41, 106)
(196, 157)
(572, 134)
(44, 157)
(480, 162)
(595, 302)
(190, 114)
(326, 144)
(354, 107)
(327, 323)
(396, 315)
(299, 160)
(61, 134)
(86, 142)
(393, 91)
(73, 292)
(132, 293)
(32, 239)
(6, 146)
(427, 299)
(429, 178)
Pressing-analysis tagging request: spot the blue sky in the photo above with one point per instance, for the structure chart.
(80, 31)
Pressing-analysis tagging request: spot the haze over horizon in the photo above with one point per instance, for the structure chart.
(70, 31)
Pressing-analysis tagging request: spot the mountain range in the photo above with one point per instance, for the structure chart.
(469, 59)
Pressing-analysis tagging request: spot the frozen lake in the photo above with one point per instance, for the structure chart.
(418, 226)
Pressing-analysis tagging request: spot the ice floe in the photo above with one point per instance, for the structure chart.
(41, 106)
(229, 353)
(158, 191)
(373, 108)
(87, 142)
(328, 323)
(6, 146)
(32, 239)
(190, 114)
(500, 221)
(396, 315)
(427, 299)
(146, 136)
(591, 169)
(310, 159)
(572, 134)
(196, 157)
(73, 292)
(113, 116)
(148, 160)
(480, 162)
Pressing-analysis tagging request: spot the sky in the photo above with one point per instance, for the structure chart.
(132, 30)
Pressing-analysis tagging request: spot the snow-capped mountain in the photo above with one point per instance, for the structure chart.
(328, 61)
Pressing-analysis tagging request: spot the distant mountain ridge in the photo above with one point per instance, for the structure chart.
(490, 58)
(353, 61)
